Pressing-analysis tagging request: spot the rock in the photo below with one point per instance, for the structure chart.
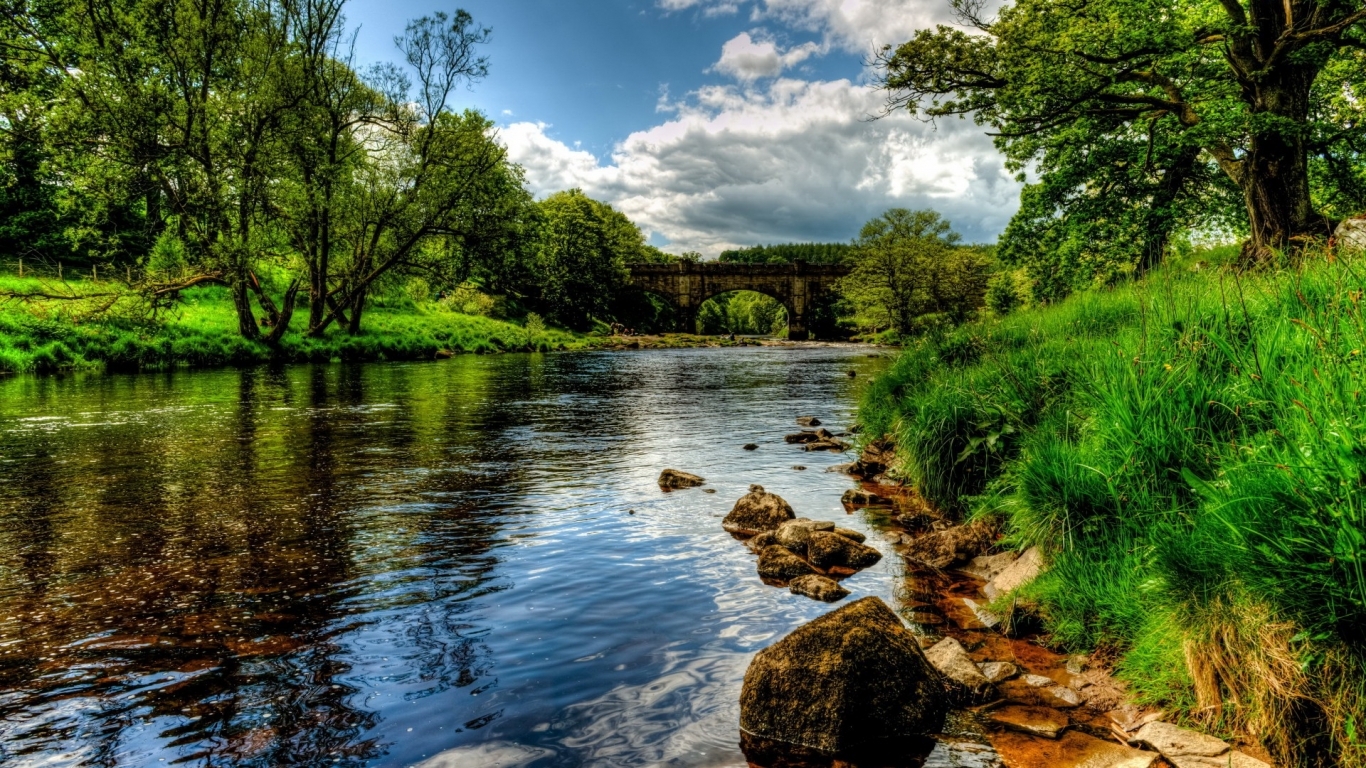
(1038, 681)
(778, 563)
(751, 446)
(966, 681)
(876, 457)
(709, 490)
(672, 479)
(997, 671)
(962, 754)
(1036, 721)
(794, 534)
(1063, 697)
(1191, 749)
(842, 469)
(1073, 749)
(759, 541)
(1076, 664)
(942, 549)
(857, 497)
(1351, 234)
(805, 436)
(808, 421)
(756, 512)
(851, 534)
(826, 445)
(817, 587)
(848, 680)
(444, 354)
(827, 549)
(1016, 575)
(852, 373)
(987, 618)
(985, 567)
(799, 468)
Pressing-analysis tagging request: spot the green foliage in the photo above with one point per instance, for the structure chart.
(1138, 118)
(585, 246)
(1188, 451)
(908, 264)
(811, 253)
(742, 312)
(201, 332)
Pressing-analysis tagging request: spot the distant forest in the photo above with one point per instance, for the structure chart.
(811, 253)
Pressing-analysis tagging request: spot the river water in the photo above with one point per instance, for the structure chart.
(395, 563)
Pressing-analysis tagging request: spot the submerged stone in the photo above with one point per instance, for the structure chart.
(1036, 721)
(850, 680)
(673, 479)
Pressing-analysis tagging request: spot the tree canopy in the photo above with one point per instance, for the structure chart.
(1144, 117)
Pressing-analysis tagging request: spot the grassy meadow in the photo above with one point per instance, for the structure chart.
(1189, 451)
(201, 331)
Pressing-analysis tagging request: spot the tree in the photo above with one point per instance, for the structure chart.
(585, 247)
(1230, 82)
(907, 264)
(418, 179)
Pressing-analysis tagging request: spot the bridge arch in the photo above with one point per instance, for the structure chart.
(686, 285)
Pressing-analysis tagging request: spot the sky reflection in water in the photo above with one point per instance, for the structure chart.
(375, 565)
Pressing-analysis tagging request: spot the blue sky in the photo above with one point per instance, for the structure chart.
(717, 123)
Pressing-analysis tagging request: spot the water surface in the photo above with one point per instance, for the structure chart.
(392, 563)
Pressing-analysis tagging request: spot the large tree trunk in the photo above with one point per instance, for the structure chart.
(357, 307)
(1275, 169)
(246, 317)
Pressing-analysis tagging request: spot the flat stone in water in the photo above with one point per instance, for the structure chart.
(962, 754)
(1072, 750)
(1036, 721)
(998, 671)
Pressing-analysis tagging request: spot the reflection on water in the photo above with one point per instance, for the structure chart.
(391, 564)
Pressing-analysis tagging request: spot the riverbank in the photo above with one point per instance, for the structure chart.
(200, 331)
(1185, 452)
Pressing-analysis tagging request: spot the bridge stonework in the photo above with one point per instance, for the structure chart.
(686, 285)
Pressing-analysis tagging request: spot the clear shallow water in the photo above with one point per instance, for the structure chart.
(387, 564)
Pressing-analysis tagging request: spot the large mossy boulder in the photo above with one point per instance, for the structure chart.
(850, 681)
(756, 512)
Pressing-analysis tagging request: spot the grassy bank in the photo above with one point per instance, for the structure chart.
(201, 331)
(1190, 452)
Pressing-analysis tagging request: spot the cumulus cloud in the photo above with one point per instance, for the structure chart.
(854, 25)
(748, 58)
(793, 161)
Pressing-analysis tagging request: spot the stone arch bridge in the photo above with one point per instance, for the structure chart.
(686, 285)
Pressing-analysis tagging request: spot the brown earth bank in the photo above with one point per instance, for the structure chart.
(1017, 702)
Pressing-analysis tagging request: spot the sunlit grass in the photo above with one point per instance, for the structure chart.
(1190, 451)
(201, 331)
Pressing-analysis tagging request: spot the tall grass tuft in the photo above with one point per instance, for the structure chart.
(1190, 452)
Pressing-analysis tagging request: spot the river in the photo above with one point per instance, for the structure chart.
(465, 562)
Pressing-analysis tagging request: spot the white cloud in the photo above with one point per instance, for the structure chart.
(854, 25)
(792, 161)
(748, 58)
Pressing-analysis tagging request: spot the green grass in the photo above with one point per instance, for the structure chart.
(1190, 452)
(201, 331)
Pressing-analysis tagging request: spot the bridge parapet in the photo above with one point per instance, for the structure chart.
(687, 285)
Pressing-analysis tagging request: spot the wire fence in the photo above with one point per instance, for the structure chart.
(65, 272)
